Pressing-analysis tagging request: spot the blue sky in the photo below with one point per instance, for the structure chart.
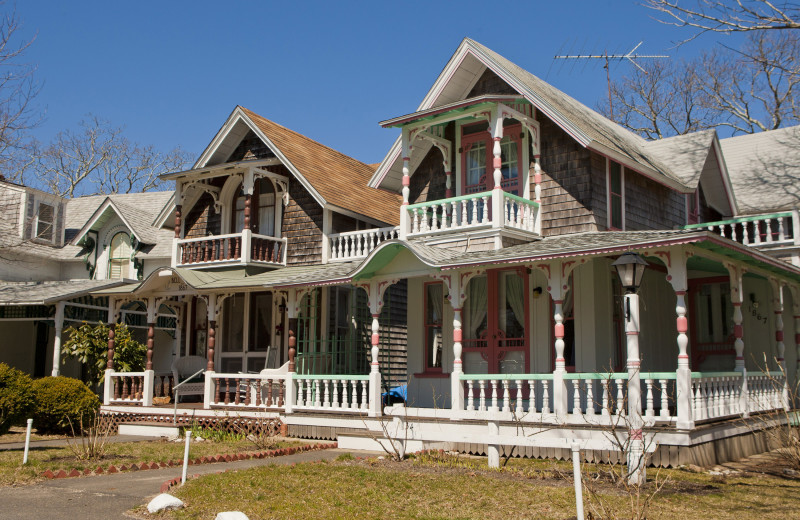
(170, 72)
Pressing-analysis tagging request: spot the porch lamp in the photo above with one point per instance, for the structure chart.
(630, 268)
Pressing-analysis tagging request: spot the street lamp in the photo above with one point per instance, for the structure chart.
(630, 269)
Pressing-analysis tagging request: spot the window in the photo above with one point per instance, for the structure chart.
(616, 198)
(693, 207)
(45, 222)
(237, 220)
(476, 147)
(265, 212)
(711, 320)
(119, 256)
(434, 305)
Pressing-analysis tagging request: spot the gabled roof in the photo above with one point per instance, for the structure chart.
(586, 126)
(138, 211)
(43, 293)
(334, 179)
(765, 169)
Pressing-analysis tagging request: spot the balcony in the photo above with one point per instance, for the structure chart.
(484, 211)
(245, 248)
(775, 233)
(354, 245)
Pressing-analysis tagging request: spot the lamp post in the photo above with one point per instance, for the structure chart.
(630, 268)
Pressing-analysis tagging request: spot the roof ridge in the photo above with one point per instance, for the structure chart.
(298, 134)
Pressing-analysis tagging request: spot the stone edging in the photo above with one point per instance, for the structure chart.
(208, 459)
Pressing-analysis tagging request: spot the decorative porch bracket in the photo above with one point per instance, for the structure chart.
(677, 275)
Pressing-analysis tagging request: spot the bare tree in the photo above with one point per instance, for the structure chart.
(18, 89)
(98, 158)
(727, 16)
(749, 90)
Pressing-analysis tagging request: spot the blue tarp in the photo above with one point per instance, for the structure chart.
(396, 393)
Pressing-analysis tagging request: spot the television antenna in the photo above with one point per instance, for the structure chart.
(631, 56)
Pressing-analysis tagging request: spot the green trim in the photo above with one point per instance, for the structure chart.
(320, 377)
(698, 375)
(737, 220)
(506, 377)
(596, 375)
(521, 199)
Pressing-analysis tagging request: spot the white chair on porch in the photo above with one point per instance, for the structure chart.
(185, 367)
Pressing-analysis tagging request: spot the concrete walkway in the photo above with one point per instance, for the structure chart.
(110, 496)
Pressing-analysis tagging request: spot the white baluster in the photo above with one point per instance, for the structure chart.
(518, 409)
(620, 397)
(482, 396)
(590, 397)
(494, 395)
(745, 233)
(545, 396)
(485, 201)
(664, 412)
(650, 411)
(470, 396)
(354, 395)
(576, 396)
(768, 230)
(506, 397)
(532, 396)
(781, 230)
(364, 398)
(606, 397)
(464, 215)
(335, 402)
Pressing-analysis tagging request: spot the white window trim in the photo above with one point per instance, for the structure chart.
(608, 193)
(37, 202)
(696, 196)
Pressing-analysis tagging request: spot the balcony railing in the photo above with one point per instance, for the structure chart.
(771, 230)
(484, 210)
(236, 248)
(352, 245)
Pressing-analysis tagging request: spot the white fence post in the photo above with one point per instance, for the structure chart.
(108, 387)
(147, 391)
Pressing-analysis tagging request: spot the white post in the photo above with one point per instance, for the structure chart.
(147, 392)
(537, 194)
(736, 299)
(108, 387)
(557, 287)
(456, 386)
(208, 390)
(327, 228)
(796, 235)
(576, 477)
(493, 449)
(406, 157)
(27, 442)
(247, 240)
(780, 347)
(175, 254)
(678, 277)
(498, 213)
(636, 440)
(186, 457)
(59, 323)
(375, 374)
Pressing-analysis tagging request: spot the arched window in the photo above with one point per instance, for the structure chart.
(119, 256)
(237, 218)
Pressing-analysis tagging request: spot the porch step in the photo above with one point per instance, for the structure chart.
(149, 430)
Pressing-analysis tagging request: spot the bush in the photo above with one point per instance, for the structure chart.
(60, 400)
(17, 399)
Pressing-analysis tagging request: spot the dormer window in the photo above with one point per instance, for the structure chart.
(616, 196)
(45, 222)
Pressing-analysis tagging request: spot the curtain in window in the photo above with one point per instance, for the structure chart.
(436, 301)
(477, 303)
(515, 294)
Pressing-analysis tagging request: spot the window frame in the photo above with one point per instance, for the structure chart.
(693, 216)
(611, 195)
(514, 133)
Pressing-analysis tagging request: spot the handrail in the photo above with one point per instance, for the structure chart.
(175, 408)
(511, 196)
(322, 377)
(737, 220)
(210, 237)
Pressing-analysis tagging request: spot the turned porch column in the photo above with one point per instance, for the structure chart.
(456, 295)
(498, 213)
(59, 324)
(780, 347)
(212, 326)
(405, 222)
(677, 276)
(735, 274)
(112, 323)
(375, 290)
(796, 317)
(557, 286)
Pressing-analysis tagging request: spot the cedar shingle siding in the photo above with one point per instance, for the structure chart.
(202, 220)
(429, 181)
(649, 205)
(302, 226)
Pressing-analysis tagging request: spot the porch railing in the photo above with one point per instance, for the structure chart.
(245, 247)
(358, 244)
(327, 392)
(490, 209)
(774, 229)
(134, 388)
(247, 390)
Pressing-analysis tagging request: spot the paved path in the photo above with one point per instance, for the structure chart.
(109, 496)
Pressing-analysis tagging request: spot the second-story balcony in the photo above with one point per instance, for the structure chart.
(245, 248)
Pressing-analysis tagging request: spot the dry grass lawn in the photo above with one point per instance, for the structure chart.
(457, 487)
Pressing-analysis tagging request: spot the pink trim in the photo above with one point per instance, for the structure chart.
(737, 304)
(559, 330)
(537, 178)
(631, 333)
(406, 180)
(683, 356)
(778, 335)
(683, 324)
(636, 435)
(740, 357)
(737, 331)
(458, 335)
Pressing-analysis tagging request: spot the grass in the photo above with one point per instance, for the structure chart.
(17, 434)
(431, 487)
(40, 459)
